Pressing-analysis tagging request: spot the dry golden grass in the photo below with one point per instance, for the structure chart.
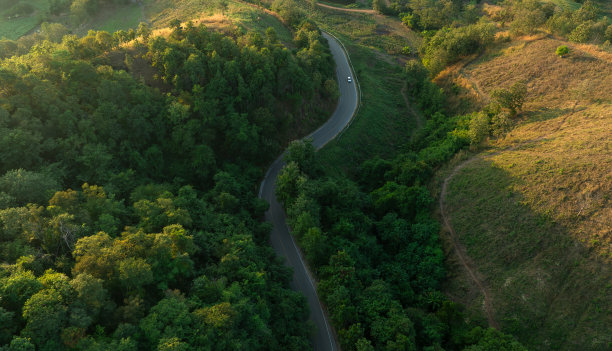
(215, 22)
(583, 76)
(536, 214)
(565, 170)
(568, 173)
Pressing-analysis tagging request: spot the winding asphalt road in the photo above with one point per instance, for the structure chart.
(281, 240)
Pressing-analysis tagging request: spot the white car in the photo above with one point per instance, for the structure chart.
(349, 79)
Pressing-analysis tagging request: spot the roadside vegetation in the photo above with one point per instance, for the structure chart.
(473, 54)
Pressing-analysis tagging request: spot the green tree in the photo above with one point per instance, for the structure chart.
(144, 31)
(562, 51)
(479, 128)
(135, 273)
(25, 187)
(45, 315)
(511, 99)
(491, 339)
(21, 344)
(302, 152)
(288, 183)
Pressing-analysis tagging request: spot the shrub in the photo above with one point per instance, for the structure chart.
(562, 50)
(479, 128)
(529, 16)
(511, 99)
(561, 23)
(449, 45)
(608, 33)
(582, 33)
(501, 124)
(407, 50)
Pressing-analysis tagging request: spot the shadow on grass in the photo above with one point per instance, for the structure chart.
(547, 288)
(544, 114)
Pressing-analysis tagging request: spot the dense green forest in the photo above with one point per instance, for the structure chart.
(128, 214)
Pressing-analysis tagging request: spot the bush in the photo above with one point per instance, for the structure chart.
(562, 50)
(501, 123)
(561, 23)
(479, 128)
(529, 16)
(449, 45)
(511, 99)
(582, 33)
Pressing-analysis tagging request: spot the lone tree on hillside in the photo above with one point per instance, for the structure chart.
(511, 99)
(562, 51)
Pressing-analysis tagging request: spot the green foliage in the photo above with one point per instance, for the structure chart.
(529, 16)
(432, 14)
(562, 50)
(581, 26)
(19, 9)
(159, 245)
(303, 154)
(23, 187)
(377, 253)
(582, 33)
(289, 11)
(501, 123)
(479, 128)
(491, 339)
(53, 31)
(428, 95)
(449, 45)
(511, 99)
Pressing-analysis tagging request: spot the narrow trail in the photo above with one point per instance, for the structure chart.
(347, 10)
(458, 247)
(460, 250)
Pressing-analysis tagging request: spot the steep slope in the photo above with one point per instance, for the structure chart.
(535, 215)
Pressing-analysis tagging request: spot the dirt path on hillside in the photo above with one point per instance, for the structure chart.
(458, 247)
(460, 250)
(347, 10)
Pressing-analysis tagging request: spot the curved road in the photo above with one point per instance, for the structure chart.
(281, 240)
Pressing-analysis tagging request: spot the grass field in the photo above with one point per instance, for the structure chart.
(384, 33)
(536, 216)
(116, 18)
(16, 27)
(383, 123)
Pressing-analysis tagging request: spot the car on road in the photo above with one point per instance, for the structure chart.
(349, 79)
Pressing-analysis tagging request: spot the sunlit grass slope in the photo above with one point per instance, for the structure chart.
(536, 216)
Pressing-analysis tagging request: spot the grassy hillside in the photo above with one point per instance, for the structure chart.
(13, 25)
(534, 212)
(214, 14)
(384, 121)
